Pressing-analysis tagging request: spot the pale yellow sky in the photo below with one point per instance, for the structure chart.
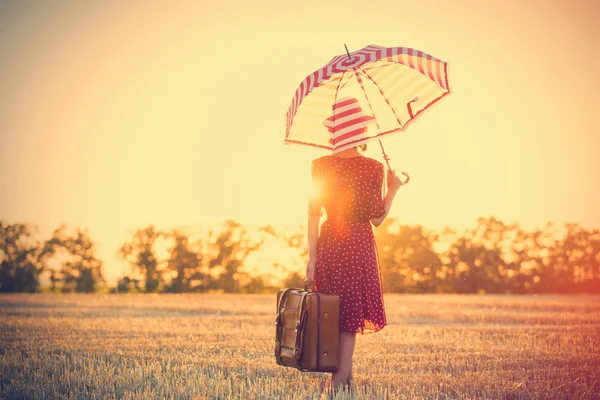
(114, 116)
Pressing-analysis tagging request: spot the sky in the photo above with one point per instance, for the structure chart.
(115, 115)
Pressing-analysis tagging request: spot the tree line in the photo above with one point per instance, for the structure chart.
(492, 257)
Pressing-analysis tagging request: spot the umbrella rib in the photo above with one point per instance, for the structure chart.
(335, 101)
(382, 94)
(367, 97)
(341, 79)
(378, 66)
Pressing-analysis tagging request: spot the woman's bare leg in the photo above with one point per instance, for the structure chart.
(347, 342)
(350, 380)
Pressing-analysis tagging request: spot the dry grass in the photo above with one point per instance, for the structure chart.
(221, 346)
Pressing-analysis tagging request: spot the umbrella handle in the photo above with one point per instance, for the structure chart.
(407, 178)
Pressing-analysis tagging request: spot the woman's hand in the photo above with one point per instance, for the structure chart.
(394, 182)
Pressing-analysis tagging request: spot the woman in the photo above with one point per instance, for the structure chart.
(343, 256)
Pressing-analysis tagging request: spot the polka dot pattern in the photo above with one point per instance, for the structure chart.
(350, 191)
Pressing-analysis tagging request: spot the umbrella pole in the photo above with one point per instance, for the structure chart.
(385, 157)
(387, 161)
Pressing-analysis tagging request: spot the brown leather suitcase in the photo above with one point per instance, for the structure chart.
(307, 330)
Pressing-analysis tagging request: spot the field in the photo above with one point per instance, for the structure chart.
(221, 346)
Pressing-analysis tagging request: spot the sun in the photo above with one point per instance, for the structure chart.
(315, 190)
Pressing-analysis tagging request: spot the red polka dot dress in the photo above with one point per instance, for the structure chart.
(350, 191)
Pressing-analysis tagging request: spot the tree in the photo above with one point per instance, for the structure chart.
(80, 270)
(526, 257)
(582, 249)
(22, 258)
(477, 258)
(139, 252)
(294, 280)
(297, 240)
(407, 260)
(126, 285)
(186, 265)
(572, 264)
(226, 253)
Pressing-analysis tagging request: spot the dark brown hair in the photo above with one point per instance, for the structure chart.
(362, 147)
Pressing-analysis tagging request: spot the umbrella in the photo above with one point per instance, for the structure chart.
(364, 95)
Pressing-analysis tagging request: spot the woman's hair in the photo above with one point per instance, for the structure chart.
(362, 147)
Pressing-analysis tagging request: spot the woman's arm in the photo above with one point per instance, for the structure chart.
(313, 233)
(393, 184)
(389, 199)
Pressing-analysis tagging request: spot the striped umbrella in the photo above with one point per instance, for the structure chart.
(364, 95)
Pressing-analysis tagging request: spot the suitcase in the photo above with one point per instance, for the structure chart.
(307, 330)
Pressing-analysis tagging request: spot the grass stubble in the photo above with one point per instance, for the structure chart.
(194, 346)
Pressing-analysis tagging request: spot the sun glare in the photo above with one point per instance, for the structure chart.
(315, 191)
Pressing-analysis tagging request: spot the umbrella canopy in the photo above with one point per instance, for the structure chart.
(364, 95)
